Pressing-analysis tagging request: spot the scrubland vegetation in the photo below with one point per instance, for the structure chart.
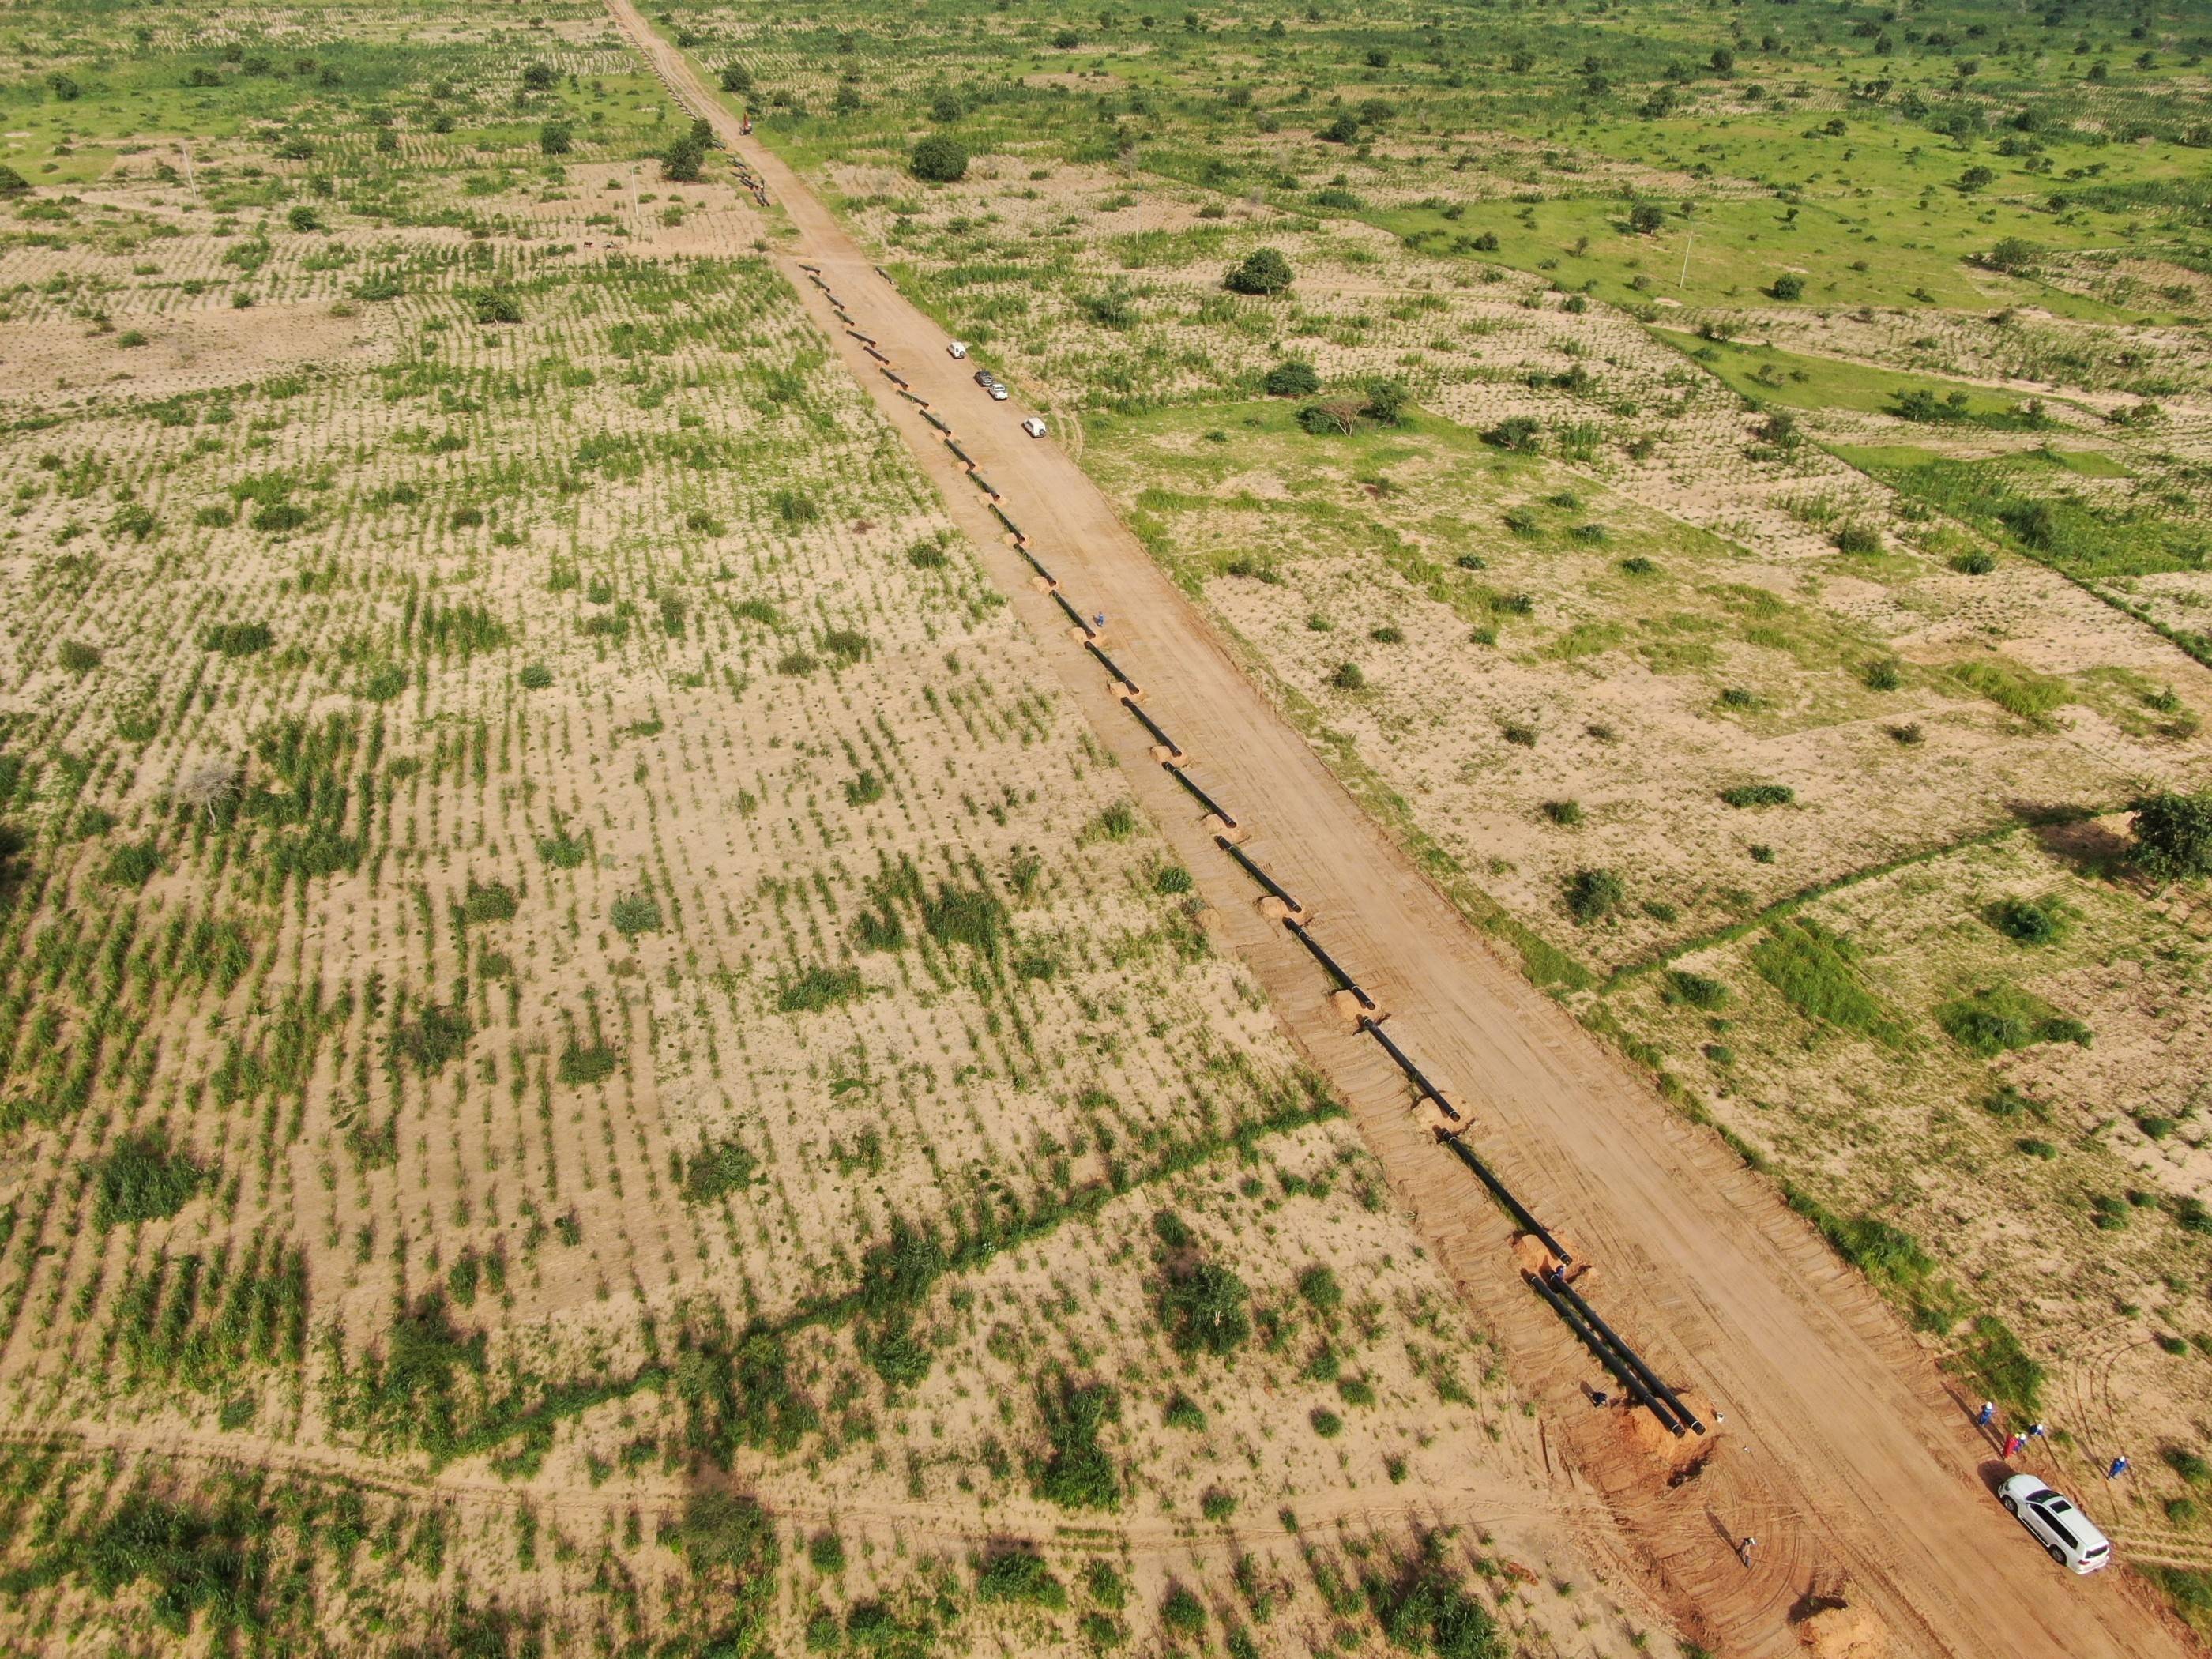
(593, 1059)
(1730, 488)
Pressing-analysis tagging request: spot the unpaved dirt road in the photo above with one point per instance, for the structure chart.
(1842, 1451)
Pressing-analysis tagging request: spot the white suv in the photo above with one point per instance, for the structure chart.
(2070, 1536)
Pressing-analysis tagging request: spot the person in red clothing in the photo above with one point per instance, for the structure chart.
(2013, 1442)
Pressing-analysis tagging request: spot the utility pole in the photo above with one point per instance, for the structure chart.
(1688, 242)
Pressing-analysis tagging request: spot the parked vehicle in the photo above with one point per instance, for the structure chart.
(998, 393)
(2070, 1536)
(985, 379)
(957, 348)
(1033, 427)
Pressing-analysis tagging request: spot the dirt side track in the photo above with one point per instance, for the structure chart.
(1842, 1450)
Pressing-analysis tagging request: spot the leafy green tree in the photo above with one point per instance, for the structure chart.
(1294, 379)
(736, 77)
(1264, 271)
(940, 159)
(556, 138)
(2173, 835)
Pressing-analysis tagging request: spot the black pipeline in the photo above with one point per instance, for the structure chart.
(1107, 663)
(1344, 981)
(1257, 873)
(1197, 793)
(1607, 1357)
(1635, 1360)
(1153, 726)
(1418, 1078)
(1503, 1195)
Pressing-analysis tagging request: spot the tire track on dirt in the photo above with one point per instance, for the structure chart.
(1842, 1452)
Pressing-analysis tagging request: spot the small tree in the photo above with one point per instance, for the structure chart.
(1386, 402)
(940, 159)
(537, 77)
(736, 77)
(1646, 218)
(1264, 271)
(556, 138)
(1294, 379)
(1788, 286)
(2173, 835)
(1342, 131)
(13, 183)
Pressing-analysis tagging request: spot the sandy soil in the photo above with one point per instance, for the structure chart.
(1843, 1453)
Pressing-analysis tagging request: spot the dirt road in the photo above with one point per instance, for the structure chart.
(1841, 1451)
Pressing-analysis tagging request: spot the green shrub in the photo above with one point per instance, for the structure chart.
(1326, 1423)
(1566, 813)
(490, 901)
(1348, 677)
(1077, 1474)
(635, 913)
(1183, 1612)
(1203, 1308)
(133, 864)
(826, 1551)
(1017, 1576)
(1788, 286)
(433, 1038)
(1593, 895)
(939, 159)
(77, 657)
(1293, 379)
(1695, 990)
(1318, 1285)
(237, 639)
(1263, 271)
(2173, 834)
(2031, 921)
(1998, 1019)
(717, 1169)
(1812, 968)
(818, 988)
(142, 1178)
(1182, 1411)
(1759, 794)
(563, 851)
(535, 676)
(584, 1064)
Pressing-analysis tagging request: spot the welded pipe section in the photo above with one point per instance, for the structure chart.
(966, 459)
(1257, 874)
(865, 339)
(1070, 612)
(940, 425)
(1329, 963)
(895, 378)
(1503, 1195)
(1035, 564)
(1153, 726)
(1012, 529)
(985, 485)
(1107, 663)
(1635, 1359)
(1620, 1373)
(1415, 1074)
(1197, 793)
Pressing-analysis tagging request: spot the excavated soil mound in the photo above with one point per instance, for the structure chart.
(1845, 1633)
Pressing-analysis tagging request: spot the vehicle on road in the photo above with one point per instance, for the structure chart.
(2070, 1537)
(957, 348)
(985, 379)
(998, 391)
(1033, 427)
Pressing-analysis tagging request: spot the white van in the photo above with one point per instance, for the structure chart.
(1033, 427)
(2070, 1536)
(958, 349)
